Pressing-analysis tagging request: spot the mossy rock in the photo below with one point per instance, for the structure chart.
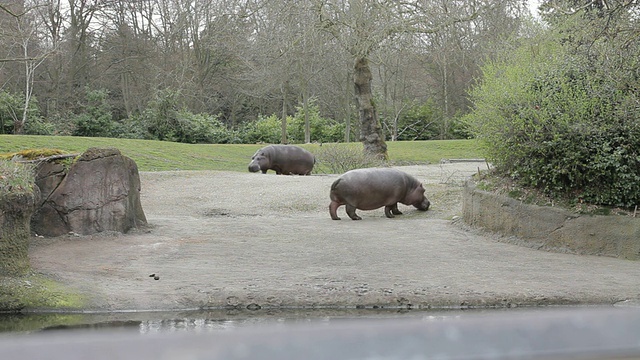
(32, 154)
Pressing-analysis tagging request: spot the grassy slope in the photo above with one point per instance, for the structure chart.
(161, 155)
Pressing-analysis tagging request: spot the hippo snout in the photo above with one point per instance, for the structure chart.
(254, 167)
(424, 205)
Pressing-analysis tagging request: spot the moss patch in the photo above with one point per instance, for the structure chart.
(36, 292)
(32, 154)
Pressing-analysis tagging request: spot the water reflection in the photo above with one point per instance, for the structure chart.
(540, 333)
(202, 321)
(192, 325)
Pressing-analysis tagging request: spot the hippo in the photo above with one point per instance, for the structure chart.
(283, 159)
(372, 188)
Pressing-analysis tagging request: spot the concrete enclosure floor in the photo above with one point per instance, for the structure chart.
(247, 240)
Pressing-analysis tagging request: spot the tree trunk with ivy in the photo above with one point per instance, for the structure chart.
(371, 132)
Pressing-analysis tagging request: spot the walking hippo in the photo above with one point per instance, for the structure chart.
(283, 159)
(372, 188)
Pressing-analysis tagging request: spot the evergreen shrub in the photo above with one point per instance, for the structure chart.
(563, 122)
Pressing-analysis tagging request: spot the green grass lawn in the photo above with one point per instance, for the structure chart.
(152, 155)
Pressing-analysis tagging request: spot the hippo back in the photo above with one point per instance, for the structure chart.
(288, 159)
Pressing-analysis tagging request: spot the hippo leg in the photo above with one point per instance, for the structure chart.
(333, 210)
(391, 210)
(351, 211)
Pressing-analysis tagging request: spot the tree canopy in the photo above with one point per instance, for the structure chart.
(242, 60)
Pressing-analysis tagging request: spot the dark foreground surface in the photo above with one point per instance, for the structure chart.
(585, 333)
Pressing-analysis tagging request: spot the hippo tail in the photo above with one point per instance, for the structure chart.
(333, 194)
(335, 184)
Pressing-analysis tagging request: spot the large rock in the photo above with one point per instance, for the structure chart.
(100, 192)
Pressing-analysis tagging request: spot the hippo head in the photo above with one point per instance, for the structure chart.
(420, 201)
(423, 205)
(258, 161)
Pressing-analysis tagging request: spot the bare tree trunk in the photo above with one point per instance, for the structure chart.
(445, 88)
(347, 107)
(18, 125)
(30, 66)
(370, 131)
(283, 139)
(347, 127)
(307, 127)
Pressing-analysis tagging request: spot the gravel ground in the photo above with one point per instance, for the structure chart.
(243, 240)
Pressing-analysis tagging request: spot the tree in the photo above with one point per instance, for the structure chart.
(24, 37)
(287, 56)
(362, 27)
(238, 59)
(79, 41)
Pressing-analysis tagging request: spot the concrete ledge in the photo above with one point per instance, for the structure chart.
(550, 228)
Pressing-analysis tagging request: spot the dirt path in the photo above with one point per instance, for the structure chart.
(221, 239)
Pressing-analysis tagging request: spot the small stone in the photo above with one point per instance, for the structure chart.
(156, 277)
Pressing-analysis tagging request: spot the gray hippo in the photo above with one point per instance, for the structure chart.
(283, 159)
(372, 188)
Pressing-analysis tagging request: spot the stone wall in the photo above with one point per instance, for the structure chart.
(551, 228)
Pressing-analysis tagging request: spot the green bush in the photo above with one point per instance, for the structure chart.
(39, 126)
(200, 128)
(266, 130)
(559, 121)
(132, 127)
(11, 108)
(161, 116)
(269, 129)
(96, 120)
(321, 129)
(62, 124)
(423, 122)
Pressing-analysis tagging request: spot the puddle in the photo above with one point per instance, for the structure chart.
(205, 321)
